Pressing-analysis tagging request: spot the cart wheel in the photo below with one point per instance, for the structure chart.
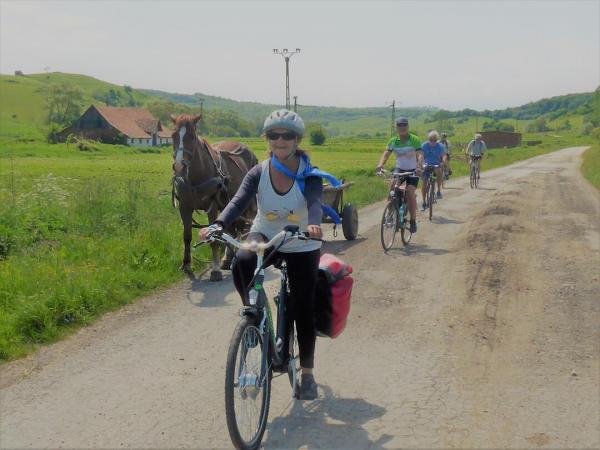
(350, 221)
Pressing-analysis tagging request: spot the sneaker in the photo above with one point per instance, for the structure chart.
(424, 206)
(439, 195)
(413, 226)
(308, 387)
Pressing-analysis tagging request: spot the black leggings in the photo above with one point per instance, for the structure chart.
(302, 269)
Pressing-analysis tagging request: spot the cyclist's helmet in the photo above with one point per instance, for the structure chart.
(283, 118)
(444, 134)
(478, 136)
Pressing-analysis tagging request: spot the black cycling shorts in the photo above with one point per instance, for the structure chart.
(411, 180)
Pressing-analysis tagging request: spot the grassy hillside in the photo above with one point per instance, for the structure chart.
(22, 100)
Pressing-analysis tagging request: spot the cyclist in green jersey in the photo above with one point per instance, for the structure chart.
(407, 148)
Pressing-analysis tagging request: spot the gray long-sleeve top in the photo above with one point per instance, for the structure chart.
(313, 193)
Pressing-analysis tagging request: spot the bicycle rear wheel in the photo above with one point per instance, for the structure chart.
(389, 226)
(247, 385)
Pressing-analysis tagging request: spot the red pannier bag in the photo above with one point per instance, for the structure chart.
(332, 298)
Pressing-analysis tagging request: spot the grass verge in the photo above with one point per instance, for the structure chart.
(591, 165)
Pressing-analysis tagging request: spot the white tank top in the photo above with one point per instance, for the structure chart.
(276, 211)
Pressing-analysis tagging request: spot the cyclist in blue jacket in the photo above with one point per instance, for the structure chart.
(433, 153)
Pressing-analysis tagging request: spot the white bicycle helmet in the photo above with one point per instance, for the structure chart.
(283, 118)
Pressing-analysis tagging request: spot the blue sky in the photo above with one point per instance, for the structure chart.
(450, 54)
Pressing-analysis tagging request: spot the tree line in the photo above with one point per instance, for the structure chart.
(64, 104)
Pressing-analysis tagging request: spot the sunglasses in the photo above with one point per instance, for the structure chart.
(286, 136)
(401, 125)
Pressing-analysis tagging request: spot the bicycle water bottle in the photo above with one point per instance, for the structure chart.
(252, 296)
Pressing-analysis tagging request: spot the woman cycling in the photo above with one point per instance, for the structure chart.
(282, 200)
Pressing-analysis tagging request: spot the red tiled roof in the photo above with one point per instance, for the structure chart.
(133, 122)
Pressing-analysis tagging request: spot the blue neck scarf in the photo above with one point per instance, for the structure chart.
(310, 171)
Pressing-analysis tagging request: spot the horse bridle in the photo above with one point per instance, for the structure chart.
(220, 181)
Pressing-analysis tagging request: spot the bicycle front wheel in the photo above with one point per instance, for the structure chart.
(405, 233)
(431, 197)
(294, 362)
(389, 226)
(473, 176)
(247, 385)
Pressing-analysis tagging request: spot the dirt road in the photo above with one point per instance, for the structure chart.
(484, 332)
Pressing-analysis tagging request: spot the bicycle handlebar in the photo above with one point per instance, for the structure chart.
(394, 174)
(217, 235)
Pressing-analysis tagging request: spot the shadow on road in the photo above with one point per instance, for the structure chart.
(340, 245)
(443, 220)
(210, 294)
(447, 188)
(485, 189)
(329, 422)
(415, 249)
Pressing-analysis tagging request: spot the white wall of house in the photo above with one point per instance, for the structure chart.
(139, 142)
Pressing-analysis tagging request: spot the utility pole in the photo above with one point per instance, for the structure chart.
(393, 125)
(287, 54)
(201, 115)
(295, 103)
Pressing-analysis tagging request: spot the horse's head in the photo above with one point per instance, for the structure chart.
(185, 140)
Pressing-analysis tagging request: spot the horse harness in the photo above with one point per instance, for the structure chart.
(215, 185)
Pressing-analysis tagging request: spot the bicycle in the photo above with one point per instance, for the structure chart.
(474, 177)
(431, 178)
(257, 348)
(446, 173)
(395, 214)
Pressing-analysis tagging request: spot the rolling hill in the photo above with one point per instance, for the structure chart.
(22, 108)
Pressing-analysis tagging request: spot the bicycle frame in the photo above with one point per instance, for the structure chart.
(432, 177)
(259, 306)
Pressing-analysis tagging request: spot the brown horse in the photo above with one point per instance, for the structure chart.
(205, 178)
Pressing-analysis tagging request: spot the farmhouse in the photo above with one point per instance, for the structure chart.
(499, 139)
(131, 126)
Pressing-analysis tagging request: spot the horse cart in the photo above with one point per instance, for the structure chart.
(347, 214)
